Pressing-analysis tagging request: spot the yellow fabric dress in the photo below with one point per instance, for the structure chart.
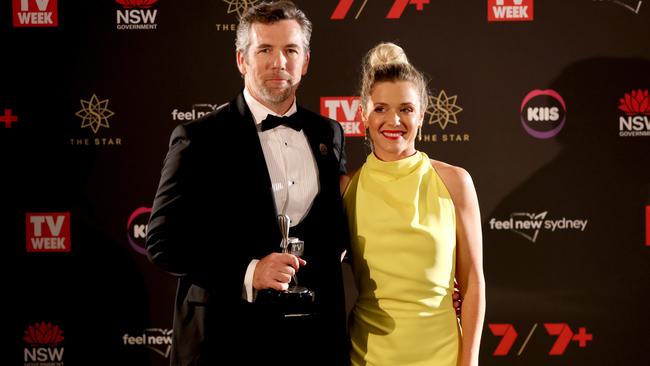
(403, 226)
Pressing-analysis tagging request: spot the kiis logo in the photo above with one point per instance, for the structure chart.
(529, 225)
(516, 10)
(631, 5)
(156, 339)
(562, 331)
(35, 13)
(137, 229)
(636, 106)
(198, 110)
(395, 12)
(8, 118)
(543, 113)
(43, 340)
(48, 232)
(443, 111)
(136, 15)
(346, 111)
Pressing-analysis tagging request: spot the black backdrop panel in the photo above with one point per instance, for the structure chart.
(548, 111)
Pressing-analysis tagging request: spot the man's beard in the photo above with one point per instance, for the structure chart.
(275, 96)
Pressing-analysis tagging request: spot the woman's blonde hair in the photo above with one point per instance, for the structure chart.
(388, 62)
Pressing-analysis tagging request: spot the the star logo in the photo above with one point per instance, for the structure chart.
(239, 6)
(443, 110)
(94, 113)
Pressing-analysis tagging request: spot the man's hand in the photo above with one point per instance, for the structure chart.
(275, 270)
(458, 302)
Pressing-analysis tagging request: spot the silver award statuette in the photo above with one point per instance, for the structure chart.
(296, 300)
(284, 221)
(289, 245)
(293, 246)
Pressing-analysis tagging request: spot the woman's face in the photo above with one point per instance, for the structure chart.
(393, 115)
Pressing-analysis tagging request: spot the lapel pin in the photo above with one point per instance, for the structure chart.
(323, 149)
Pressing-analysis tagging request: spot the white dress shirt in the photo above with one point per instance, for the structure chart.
(292, 168)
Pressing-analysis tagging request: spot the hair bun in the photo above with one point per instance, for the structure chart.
(386, 53)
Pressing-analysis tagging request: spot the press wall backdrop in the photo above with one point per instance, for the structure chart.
(544, 102)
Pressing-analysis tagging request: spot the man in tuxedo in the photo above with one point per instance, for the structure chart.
(237, 164)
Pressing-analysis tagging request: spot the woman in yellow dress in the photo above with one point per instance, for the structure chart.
(415, 226)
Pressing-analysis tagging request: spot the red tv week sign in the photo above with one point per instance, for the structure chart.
(48, 231)
(510, 10)
(346, 111)
(35, 13)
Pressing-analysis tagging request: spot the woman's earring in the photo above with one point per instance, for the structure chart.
(420, 133)
(367, 142)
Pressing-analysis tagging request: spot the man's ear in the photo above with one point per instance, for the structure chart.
(241, 63)
(305, 66)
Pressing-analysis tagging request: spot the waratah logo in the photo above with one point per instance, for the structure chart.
(143, 4)
(43, 335)
(636, 102)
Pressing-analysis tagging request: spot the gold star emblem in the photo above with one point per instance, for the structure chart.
(443, 110)
(94, 113)
(239, 6)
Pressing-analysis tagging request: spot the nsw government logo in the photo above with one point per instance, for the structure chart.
(136, 15)
(529, 225)
(44, 347)
(636, 119)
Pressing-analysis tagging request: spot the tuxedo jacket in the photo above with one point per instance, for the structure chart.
(214, 212)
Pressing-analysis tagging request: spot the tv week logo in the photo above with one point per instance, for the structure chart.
(35, 13)
(510, 10)
(48, 232)
(346, 111)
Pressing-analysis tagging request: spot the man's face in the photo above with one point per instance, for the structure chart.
(274, 63)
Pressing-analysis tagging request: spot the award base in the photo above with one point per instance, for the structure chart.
(294, 302)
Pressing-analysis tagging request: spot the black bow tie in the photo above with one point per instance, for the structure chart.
(272, 121)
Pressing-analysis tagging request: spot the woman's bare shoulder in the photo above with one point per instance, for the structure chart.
(457, 180)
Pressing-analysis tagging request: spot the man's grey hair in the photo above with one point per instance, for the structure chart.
(268, 13)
